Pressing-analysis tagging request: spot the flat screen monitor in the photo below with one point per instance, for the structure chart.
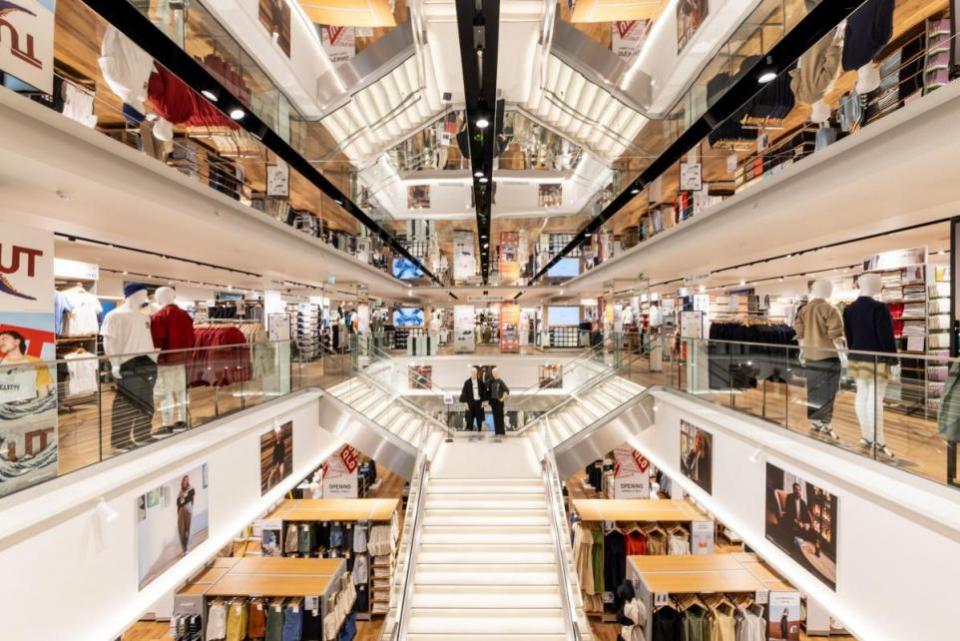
(563, 315)
(406, 269)
(408, 317)
(565, 268)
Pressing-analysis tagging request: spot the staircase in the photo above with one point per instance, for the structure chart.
(582, 410)
(487, 564)
(385, 409)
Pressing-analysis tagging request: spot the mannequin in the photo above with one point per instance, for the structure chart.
(820, 333)
(656, 347)
(172, 329)
(474, 392)
(498, 393)
(868, 326)
(126, 337)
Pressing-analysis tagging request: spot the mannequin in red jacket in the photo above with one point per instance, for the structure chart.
(172, 329)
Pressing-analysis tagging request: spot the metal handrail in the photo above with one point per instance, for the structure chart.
(557, 522)
(398, 630)
(406, 404)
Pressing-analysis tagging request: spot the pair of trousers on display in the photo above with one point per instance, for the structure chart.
(823, 381)
(498, 425)
(132, 411)
(475, 415)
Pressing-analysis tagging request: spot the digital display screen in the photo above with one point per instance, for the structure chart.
(563, 315)
(565, 268)
(408, 317)
(406, 269)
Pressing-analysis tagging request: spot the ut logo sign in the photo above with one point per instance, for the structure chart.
(20, 259)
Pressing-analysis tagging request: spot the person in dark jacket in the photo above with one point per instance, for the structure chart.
(498, 395)
(474, 393)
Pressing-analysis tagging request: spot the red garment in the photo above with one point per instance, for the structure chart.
(172, 328)
(219, 364)
(174, 101)
(636, 543)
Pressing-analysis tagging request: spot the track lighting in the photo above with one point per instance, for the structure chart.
(483, 180)
(478, 173)
(482, 122)
(237, 114)
(767, 73)
(634, 191)
(209, 95)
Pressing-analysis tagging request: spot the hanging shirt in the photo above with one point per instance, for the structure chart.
(82, 368)
(172, 329)
(129, 334)
(82, 310)
(60, 306)
(125, 67)
(217, 622)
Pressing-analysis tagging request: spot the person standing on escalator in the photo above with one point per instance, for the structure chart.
(499, 392)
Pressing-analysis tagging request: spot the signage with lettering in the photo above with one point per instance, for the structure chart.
(701, 537)
(631, 472)
(340, 474)
(26, 42)
(691, 176)
(278, 180)
(28, 391)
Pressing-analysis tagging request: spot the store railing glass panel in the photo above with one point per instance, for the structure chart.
(900, 408)
(63, 415)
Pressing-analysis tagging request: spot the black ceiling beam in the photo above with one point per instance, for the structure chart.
(820, 21)
(478, 25)
(136, 26)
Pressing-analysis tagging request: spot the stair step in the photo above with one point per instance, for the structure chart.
(477, 555)
(453, 535)
(486, 574)
(443, 636)
(466, 621)
(487, 596)
(488, 502)
(484, 518)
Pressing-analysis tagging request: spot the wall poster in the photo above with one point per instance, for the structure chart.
(802, 521)
(550, 195)
(418, 197)
(275, 17)
(276, 456)
(28, 393)
(690, 15)
(172, 519)
(464, 256)
(26, 45)
(784, 621)
(340, 43)
(696, 455)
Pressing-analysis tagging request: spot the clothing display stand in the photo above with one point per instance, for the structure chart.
(324, 526)
(263, 582)
(677, 583)
(643, 526)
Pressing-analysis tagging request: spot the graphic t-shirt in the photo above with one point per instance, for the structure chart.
(22, 378)
(82, 309)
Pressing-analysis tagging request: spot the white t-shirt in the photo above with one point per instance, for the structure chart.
(129, 334)
(83, 374)
(81, 320)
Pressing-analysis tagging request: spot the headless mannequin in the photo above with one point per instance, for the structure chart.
(171, 374)
(126, 337)
(820, 334)
(869, 372)
(656, 347)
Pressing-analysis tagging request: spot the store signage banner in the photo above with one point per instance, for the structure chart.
(691, 176)
(278, 180)
(75, 270)
(26, 43)
(340, 474)
(464, 256)
(276, 456)
(28, 393)
(340, 43)
(631, 472)
(464, 328)
(701, 537)
(172, 519)
(696, 455)
(628, 37)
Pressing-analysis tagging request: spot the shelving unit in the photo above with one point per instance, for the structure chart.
(938, 332)
(379, 513)
(305, 328)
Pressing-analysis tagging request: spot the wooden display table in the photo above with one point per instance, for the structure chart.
(639, 510)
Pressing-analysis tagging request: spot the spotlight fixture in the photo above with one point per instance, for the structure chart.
(105, 512)
(634, 191)
(483, 180)
(478, 173)
(209, 95)
(237, 114)
(482, 122)
(767, 73)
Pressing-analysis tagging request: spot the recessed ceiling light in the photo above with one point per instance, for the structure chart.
(634, 191)
(209, 95)
(484, 180)
(767, 76)
(237, 114)
(482, 122)
(478, 173)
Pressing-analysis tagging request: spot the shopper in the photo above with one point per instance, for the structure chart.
(499, 392)
(474, 392)
(185, 512)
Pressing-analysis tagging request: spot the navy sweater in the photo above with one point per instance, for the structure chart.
(868, 326)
